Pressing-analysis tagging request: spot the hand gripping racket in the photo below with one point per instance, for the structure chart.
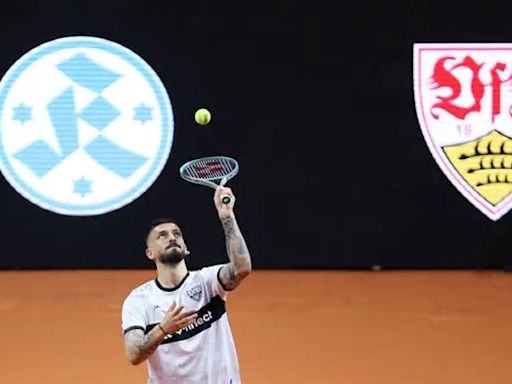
(210, 171)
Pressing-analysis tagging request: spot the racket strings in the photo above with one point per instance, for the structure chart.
(210, 169)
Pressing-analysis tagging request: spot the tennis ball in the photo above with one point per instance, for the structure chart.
(202, 116)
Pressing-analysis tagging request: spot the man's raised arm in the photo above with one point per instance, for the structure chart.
(239, 265)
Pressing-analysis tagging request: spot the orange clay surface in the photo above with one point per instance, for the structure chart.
(349, 327)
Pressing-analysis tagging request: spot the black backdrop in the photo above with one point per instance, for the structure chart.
(317, 107)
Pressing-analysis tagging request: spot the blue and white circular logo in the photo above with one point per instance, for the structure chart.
(86, 126)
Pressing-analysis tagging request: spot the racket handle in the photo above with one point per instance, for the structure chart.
(225, 199)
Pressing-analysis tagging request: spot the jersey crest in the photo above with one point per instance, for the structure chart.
(195, 293)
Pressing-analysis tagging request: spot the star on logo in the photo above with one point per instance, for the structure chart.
(22, 113)
(143, 113)
(82, 186)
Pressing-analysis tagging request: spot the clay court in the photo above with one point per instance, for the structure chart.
(402, 327)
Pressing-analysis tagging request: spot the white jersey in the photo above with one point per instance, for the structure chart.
(203, 352)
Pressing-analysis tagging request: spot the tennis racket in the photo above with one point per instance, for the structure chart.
(212, 171)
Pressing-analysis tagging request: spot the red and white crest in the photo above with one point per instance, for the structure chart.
(463, 95)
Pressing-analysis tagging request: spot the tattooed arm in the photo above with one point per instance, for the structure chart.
(239, 265)
(139, 346)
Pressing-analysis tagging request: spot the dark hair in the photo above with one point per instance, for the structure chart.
(156, 223)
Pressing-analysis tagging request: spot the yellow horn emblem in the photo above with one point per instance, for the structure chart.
(485, 164)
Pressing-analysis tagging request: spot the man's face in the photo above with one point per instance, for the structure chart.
(165, 244)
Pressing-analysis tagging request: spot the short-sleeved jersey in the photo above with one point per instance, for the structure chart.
(203, 352)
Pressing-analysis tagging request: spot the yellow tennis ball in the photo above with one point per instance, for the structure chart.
(202, 116)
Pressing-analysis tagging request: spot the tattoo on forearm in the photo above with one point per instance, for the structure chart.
(242, 247)
(144, 347)
(232, 233)
(240, 261)
(148, 350)
(228, 225)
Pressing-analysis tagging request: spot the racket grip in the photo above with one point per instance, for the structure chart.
(225, 199)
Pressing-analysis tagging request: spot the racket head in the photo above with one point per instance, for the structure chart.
(209, 171)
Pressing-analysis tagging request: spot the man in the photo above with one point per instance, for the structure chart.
(178, 321)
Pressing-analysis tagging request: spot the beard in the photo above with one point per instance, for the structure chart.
(173, 256)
